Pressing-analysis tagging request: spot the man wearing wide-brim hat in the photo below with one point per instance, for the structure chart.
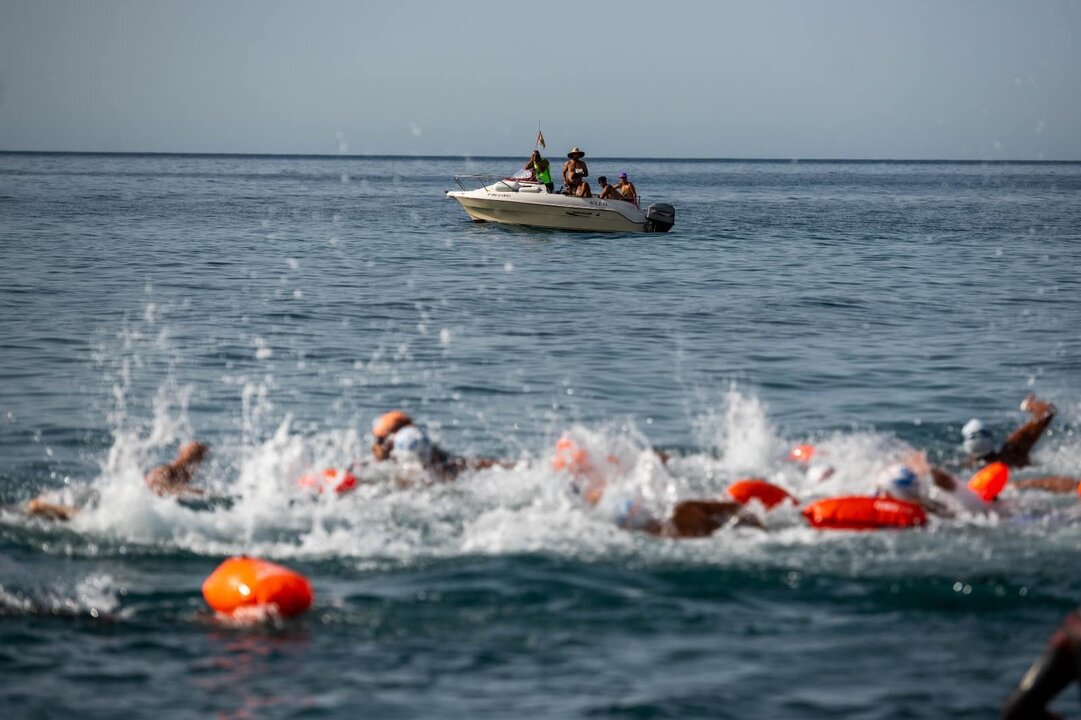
(574, 170)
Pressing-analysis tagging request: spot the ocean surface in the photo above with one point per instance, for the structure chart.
(274, 306)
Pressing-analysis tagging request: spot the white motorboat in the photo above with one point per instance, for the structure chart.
(519, 201)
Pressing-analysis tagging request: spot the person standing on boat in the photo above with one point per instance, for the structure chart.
(574, 170)
(540, 170)
(626, 189)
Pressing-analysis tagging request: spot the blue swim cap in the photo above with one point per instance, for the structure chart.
(902, 484)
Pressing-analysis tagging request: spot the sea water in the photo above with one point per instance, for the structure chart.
(274, 306)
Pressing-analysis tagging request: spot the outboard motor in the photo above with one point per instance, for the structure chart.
(660, 217)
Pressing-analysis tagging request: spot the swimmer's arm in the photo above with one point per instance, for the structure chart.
(943, 479)
(1047, 677)
(1019, 444)
(936, 508)
(916, 461)
(701, 518)
(1051, 483)
(187, 491)
(50, 511)
(485, 463)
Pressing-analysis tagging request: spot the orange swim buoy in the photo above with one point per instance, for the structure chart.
(758, 489)
(863, 513)
(802, 453)
(988, 482)
(340, 481)
(242, 582)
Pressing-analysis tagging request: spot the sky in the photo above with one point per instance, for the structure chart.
(799, 79)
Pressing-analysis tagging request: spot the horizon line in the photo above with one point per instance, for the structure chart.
(398, 156)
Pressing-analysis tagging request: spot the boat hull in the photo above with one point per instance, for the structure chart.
(586, 215)
(516, 202)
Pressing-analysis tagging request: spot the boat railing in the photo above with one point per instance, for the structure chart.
(469, 183)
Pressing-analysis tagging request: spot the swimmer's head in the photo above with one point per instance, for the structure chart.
(192, 453)
(900, 483)
(411, 444)
(389, 423)
(976, 438)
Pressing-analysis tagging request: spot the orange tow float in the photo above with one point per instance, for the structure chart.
(989, 481)
(770, 495)
(340, 481)
(802, 453)
(246, 582)
(863, 513)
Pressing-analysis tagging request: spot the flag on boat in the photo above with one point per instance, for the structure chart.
(540, 138)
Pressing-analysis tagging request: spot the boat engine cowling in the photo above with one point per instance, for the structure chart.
(660, 217)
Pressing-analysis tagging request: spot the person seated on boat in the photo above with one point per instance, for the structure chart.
(980, 447)
(626, 189)
(608, 192)
(540, 170)
(397, 439)
(574, 170)
(583, 190)
(173, 478)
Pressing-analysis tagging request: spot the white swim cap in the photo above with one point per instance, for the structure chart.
(900, 483)
(411, 443)
(976, 438)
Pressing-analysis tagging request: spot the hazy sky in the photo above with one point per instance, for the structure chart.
(959, 79)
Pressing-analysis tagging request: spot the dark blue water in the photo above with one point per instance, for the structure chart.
(274, 306)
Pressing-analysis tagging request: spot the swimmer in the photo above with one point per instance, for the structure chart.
(1048, 676)
(906, 481)
(688, 518)
(980, 447)
(173, 478)
(397, 439)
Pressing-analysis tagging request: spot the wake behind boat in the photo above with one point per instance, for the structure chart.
(521, 201)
